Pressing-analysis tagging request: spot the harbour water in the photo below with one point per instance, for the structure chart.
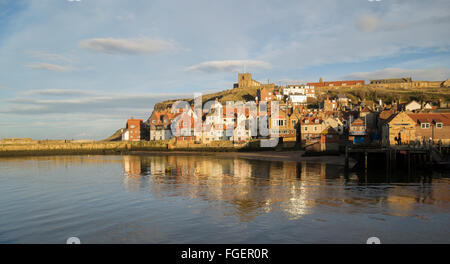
(202, 199)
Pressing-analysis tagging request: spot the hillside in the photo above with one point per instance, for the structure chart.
(117, 136)
(247, 94)
(355, 93)
(387, 95)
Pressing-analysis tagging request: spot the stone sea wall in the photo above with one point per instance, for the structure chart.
(62, 147)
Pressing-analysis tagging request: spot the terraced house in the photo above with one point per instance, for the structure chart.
(420, 127)
(311, 127)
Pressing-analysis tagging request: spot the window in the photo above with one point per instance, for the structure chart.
(306, 128)
(425, 125)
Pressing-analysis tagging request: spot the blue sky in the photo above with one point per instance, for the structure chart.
(80, 69)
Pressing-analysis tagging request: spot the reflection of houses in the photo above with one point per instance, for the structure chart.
(249, 188)
(134, 168)
(132, 165)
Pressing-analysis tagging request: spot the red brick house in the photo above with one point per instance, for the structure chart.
(135, 130)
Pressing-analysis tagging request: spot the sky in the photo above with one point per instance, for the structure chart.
(80, 69)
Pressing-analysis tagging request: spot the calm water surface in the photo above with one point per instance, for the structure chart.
(201, 199)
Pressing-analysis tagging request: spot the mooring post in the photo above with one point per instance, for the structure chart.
(346, 159)
(365, 161)
(388, 161)
(409, 162)
(395, 160)
(431, 158)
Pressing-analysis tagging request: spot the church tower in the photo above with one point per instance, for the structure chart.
(244, 80)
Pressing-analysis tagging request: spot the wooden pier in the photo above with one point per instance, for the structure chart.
(403, 157)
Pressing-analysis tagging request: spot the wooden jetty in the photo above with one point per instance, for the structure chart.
(409, 157)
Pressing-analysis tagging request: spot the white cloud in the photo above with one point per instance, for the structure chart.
(48, 56)
(112, 104)
(127, 46)
(49, 66)
(433, 74)
(56, 92)
(228, 66)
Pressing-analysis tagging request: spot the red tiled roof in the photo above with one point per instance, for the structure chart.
(431, 118)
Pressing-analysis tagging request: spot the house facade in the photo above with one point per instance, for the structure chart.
(401, 126)
(134, 131)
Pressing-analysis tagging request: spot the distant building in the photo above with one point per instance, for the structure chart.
(306, 90)
(298, 99)
(413, 106)
(336, 83)
(342, 100)
(406, 83)
(330, 105)
(266, 94)
(391, 81)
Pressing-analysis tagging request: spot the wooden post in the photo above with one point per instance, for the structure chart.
(395, 160)
(388, 161)
(365, 160)
(409, 162)
(346, 159)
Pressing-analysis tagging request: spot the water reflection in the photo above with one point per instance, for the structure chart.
(178, 198)
(247, 188)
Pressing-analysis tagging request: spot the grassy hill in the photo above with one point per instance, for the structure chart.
(247, 94)
(387, 95)
(354, 93)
